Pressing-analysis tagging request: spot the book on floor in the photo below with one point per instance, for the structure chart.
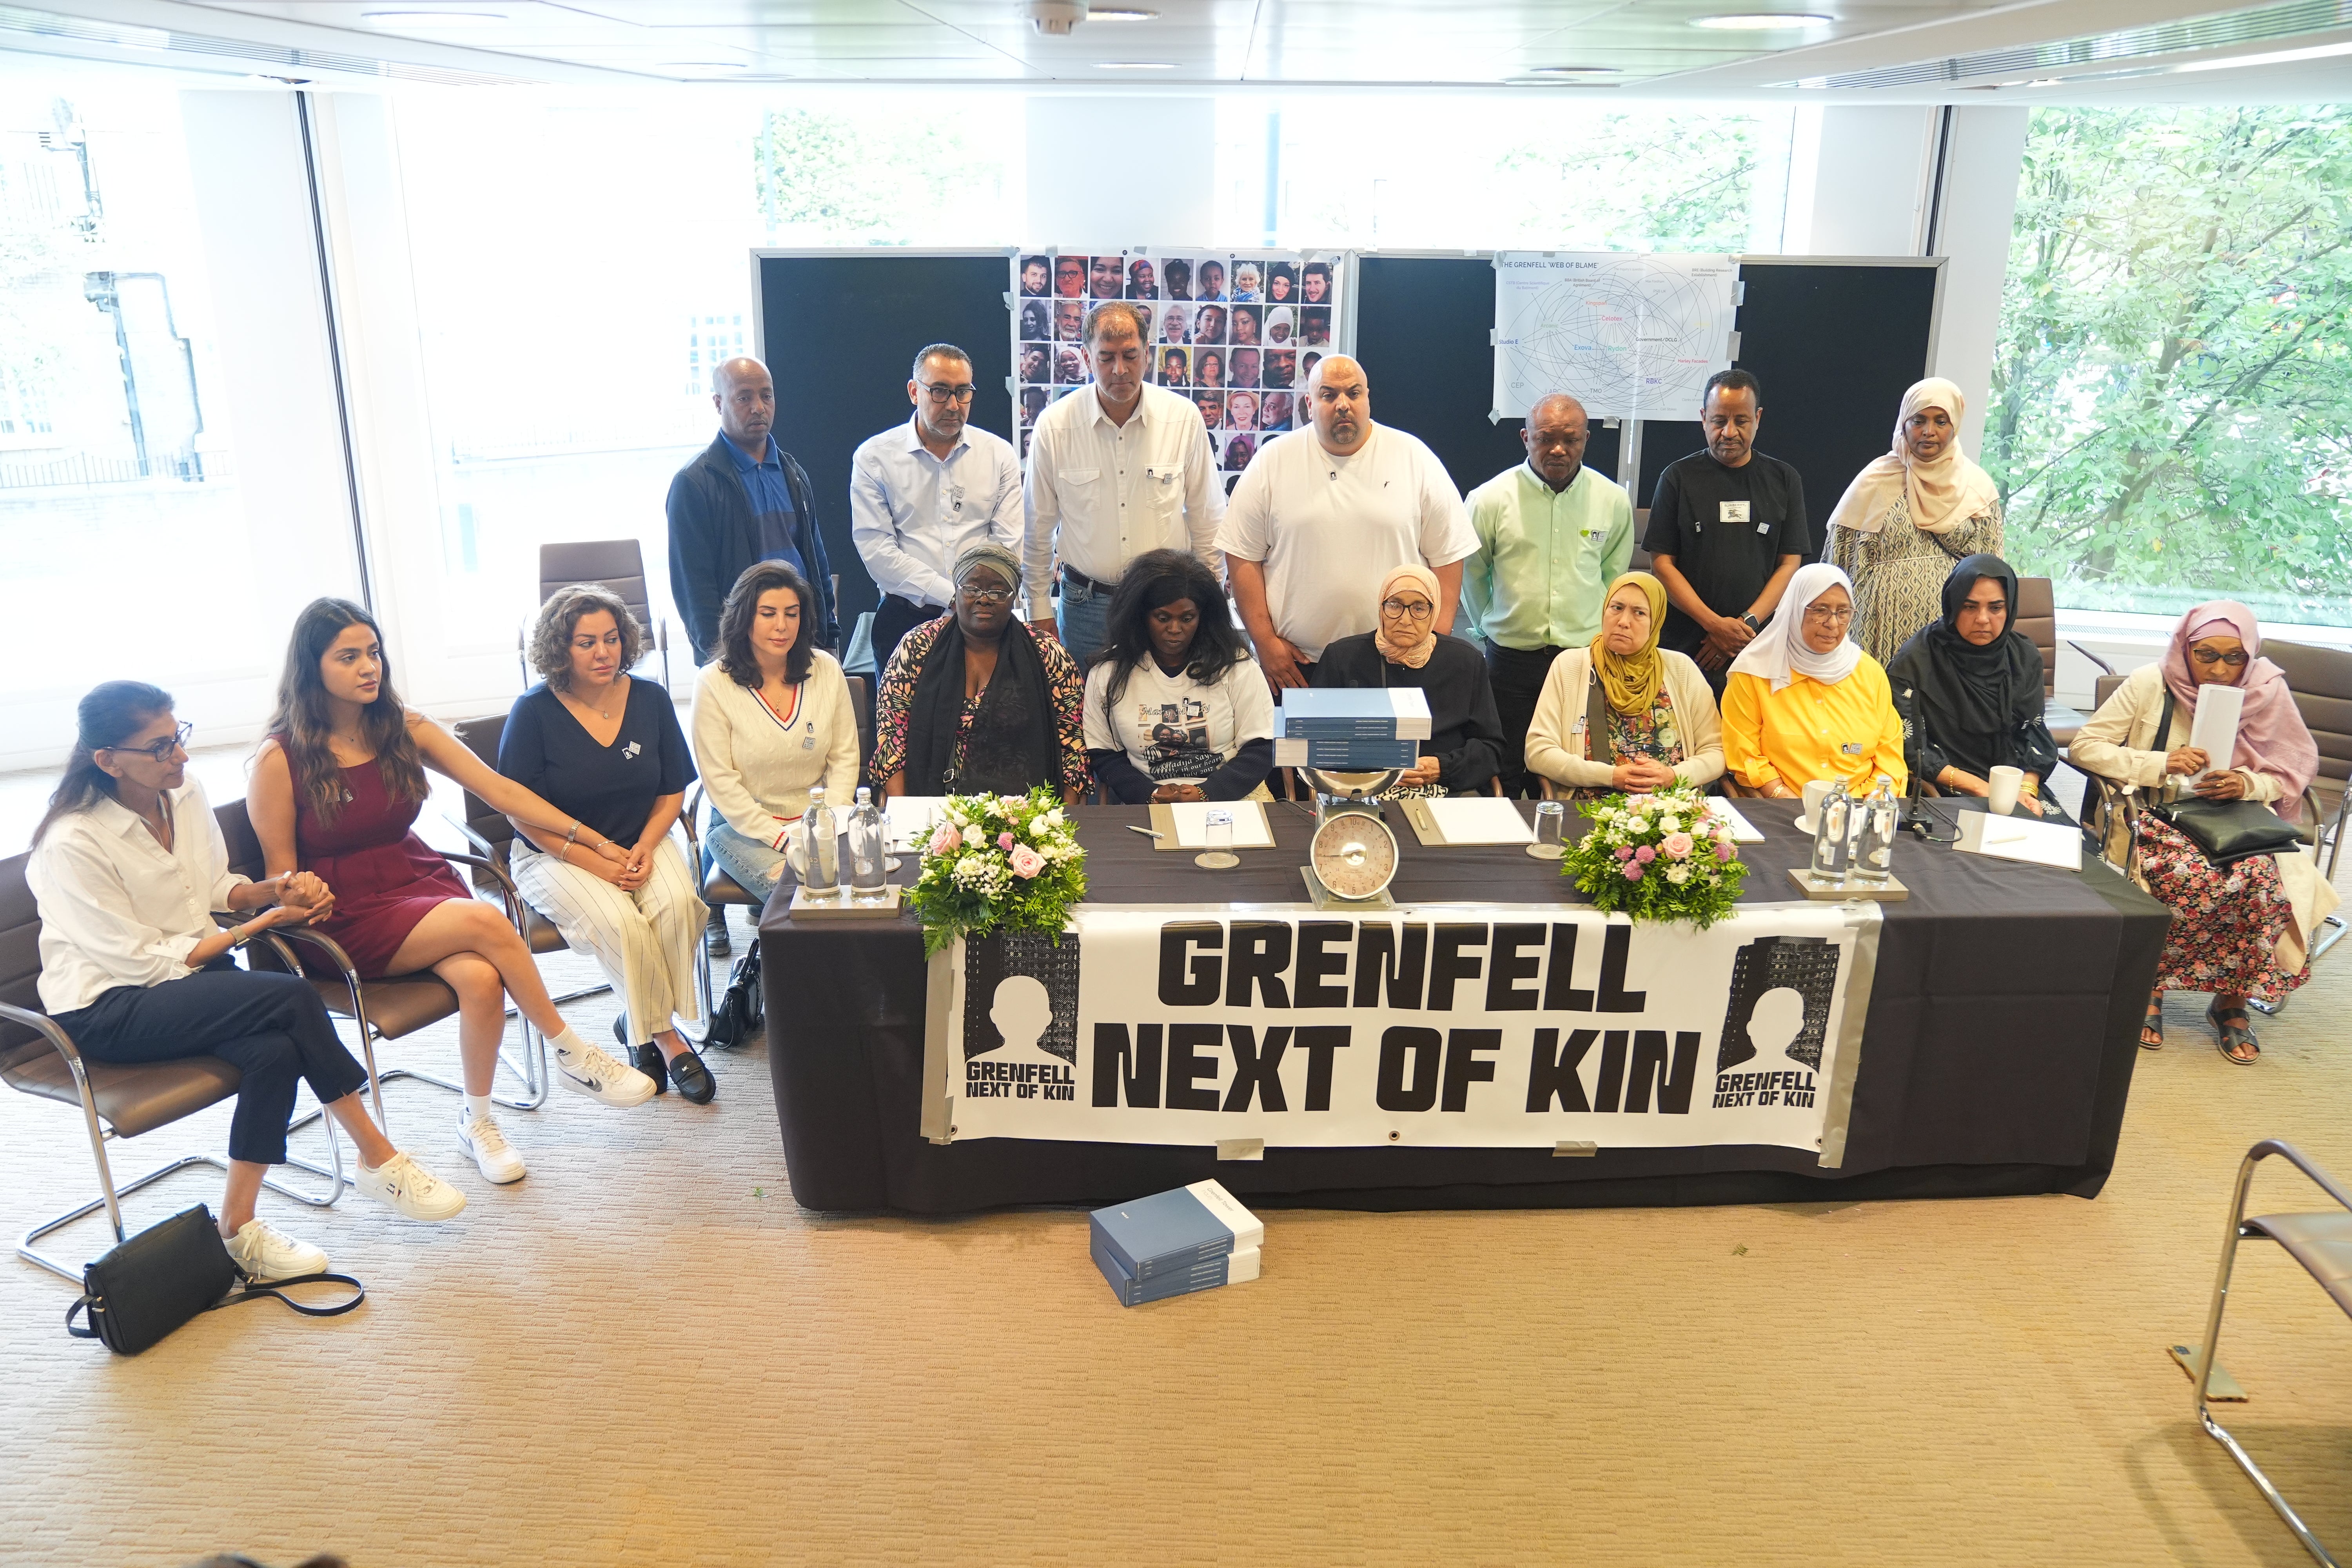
(1226, 1268)
(1176, 1229)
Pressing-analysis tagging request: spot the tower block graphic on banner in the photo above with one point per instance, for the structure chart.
(1630, 337)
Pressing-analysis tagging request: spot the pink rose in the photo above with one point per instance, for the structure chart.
(1625, 851)
(1679, 845)
(1725, 851)
(1646, 853)
(946, 840)
(1633, 870)
(1004, 841)
(1027, 862)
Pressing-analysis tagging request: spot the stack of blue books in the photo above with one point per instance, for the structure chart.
(1351, 729)
(1173, 1243)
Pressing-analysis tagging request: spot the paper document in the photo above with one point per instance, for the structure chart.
(1250, 829)
(1479, 819)
(2021, 838)
(1742, 830)
(2215, 733)
(911, 818)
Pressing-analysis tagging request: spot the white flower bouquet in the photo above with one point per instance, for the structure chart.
(1657, 857)
(998, 863)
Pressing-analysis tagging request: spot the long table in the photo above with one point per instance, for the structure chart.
(1996, 1052)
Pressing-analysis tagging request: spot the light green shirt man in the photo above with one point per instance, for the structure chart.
(1544, 558)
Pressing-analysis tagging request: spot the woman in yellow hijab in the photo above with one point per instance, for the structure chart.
(1625, 714)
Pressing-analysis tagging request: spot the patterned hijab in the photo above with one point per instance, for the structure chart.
(1630, 681)
(2271, 736)
(1944, 494)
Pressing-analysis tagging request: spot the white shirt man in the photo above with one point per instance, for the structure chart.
(1324, 513)
(1116, 468)
(922, 493)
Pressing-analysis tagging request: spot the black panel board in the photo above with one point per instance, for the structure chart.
(841, 332)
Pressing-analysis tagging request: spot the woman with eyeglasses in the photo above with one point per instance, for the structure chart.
(128, 870)
(1804, 702)
(976, 702)
(1464, 751)
(1625, 714)
(2238, 930)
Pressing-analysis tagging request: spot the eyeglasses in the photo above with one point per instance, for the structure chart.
(986, 595)
(2234, 661)
(162, 750)
(1419, 610)
(942, 392)
(1830, 615)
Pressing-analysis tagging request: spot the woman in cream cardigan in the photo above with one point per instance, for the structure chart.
(771, 717)
(1660, 720)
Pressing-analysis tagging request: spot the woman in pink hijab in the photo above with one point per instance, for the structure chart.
(2238, 930)
(1909, 516)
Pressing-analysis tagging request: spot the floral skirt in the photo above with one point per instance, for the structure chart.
(2225, 919)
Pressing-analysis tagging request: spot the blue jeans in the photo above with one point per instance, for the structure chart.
(755, 866)
(1084, 620)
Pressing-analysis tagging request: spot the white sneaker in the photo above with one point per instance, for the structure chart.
(481, 1137)
(266, 1253)
(592, 1072)
(404, 1185)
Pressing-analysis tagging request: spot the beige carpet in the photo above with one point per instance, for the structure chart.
(647, 1353)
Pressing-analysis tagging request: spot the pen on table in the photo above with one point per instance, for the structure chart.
(1146, 832)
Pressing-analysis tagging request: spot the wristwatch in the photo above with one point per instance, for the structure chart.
(1750, 622)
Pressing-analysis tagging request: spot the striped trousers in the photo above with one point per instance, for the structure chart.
(645, 942)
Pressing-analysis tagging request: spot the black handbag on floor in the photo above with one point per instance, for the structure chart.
(738, 1012)
(150, 1285)
(2228, 831)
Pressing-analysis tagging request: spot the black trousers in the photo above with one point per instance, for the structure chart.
(1518, 676)
(894, 617)
(271, 1027)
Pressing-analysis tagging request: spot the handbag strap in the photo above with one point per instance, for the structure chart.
(76, 1309)
(1596, 720)
(253, 1293)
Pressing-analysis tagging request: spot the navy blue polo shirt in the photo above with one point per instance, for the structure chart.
(771, 503)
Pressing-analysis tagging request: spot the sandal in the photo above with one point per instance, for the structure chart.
(2151, 1028)
(2238, 1044)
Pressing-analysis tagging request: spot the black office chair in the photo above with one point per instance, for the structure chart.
(616, 563)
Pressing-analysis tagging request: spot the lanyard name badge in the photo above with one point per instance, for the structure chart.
(810, 744)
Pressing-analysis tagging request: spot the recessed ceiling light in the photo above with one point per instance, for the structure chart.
(1571, 70)
(1123, 15)
(432, 18)
(1135, 64)
(1762, 21)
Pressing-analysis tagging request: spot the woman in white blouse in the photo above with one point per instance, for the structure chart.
(771, 717)
(128, 868)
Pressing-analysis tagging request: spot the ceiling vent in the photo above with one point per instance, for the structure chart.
(2288, 19)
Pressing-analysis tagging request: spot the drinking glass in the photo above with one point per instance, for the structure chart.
(1551, 826)
(1219, 853)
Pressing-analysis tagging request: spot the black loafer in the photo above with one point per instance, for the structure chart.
(647, 1056)
(714, 934)
(694, 1081)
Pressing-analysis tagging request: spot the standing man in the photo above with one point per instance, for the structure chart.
(1113, 472)
(743, 501)
(923, 493)
(1726, 531)
(1324, 514)
(1552, 535)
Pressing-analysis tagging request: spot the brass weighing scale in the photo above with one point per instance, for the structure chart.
(1352, 856)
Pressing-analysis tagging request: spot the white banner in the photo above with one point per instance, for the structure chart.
(1507, 1026)
(1628, 336)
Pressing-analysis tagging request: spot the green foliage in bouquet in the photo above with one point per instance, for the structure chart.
(998, 863)
(1657, 857)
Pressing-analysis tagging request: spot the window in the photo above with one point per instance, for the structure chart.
(2171, 407)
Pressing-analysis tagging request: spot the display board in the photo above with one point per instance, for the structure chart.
(839, 330)
(1834, 342)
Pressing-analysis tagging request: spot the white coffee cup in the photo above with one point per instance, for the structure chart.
(2005, 782)
(1816, 791)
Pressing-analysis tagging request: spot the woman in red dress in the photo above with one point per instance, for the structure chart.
(336, 788)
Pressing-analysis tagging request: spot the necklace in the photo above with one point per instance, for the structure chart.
(603, 713)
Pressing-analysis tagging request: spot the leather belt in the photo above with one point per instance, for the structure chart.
(1072, 574)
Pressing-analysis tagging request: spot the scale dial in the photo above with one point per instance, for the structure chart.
(1354, 855)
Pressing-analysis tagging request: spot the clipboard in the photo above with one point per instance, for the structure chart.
(1164, 822)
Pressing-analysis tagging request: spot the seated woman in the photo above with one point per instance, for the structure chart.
(1802, 702)
(1648, 722)
(136, 971)
(607, 751)
(1968, 688)
(336, 787)
(1176, 708)
(1465, 749)
(2241, 930)
(975, 702)
(772, 717)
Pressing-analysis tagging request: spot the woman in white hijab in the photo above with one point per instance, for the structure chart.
(1804, 702)
(1909, 516)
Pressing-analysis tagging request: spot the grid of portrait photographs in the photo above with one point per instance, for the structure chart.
(1234, 332)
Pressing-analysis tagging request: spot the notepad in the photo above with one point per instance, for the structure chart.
(1742, 830)
(1191, 819)
(2020, 838)
(912, 817)
(1479, 819)
(2215, 732)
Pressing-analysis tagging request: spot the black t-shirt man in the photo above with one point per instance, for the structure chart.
(1730, 525)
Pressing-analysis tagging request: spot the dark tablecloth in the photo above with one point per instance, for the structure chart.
(1997, 1053)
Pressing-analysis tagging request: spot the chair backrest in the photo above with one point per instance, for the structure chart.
(20, 960)
(861, 702)
(481, 737)
(2104, 688)
(616, 563)
(244, 845)
(2321, 680)
(2036, 615)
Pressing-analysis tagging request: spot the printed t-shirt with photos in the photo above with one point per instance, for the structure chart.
(1727, 529)
(1173, 728)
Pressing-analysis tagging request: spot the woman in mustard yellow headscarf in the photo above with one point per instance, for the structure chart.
(1625, 714)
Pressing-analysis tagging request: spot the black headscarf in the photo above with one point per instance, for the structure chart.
(1013, 745)
(1975, 702)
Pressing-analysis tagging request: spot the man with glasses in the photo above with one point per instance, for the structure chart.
(741, 501)
(922, 493)
(1114, 471)
(1726, 531)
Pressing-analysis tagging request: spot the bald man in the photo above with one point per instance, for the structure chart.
(1324, 513)
(1552, 533)
(743, 501)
